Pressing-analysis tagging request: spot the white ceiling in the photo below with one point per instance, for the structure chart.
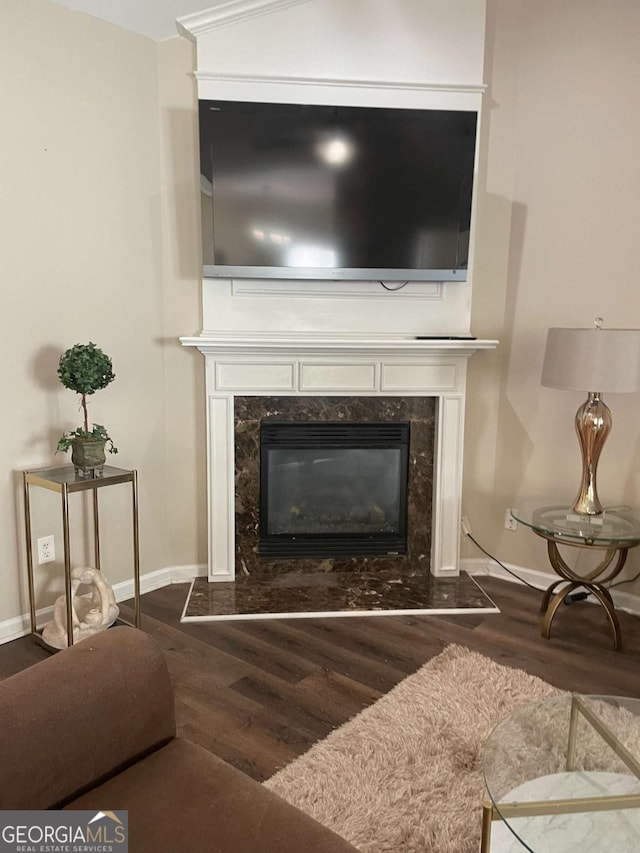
(155, 19)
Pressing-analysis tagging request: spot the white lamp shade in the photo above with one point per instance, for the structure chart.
(592, 360)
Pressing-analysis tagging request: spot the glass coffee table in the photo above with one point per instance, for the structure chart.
(563, 774)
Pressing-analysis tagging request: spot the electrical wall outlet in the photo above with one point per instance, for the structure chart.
(46, 550)
(509, 521)
(465, 524)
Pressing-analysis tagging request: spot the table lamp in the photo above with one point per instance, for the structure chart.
(584, 360)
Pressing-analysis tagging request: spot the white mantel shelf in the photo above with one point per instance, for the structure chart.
(276, 364)
(212, 344)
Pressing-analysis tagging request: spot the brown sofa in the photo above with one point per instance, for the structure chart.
(93, 727)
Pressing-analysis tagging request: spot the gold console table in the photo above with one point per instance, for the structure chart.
(64, 481)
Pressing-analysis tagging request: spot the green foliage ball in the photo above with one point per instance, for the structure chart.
(85, 369)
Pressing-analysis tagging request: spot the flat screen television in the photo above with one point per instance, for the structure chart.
(323, 192)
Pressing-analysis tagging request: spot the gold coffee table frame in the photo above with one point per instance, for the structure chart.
(503, 811)
(64, 481)
(613, 532)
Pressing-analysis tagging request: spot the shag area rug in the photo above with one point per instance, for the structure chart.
(405, 774)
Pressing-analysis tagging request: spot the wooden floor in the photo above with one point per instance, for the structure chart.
(259, 693)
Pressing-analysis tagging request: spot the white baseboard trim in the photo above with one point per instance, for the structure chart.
(478, 566)
(20, 626)
(484, 566)
(158, 579)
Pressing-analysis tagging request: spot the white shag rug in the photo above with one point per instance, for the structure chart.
(405, 774)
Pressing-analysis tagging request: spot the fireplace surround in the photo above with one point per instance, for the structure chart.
(415, 416)
(366, 368)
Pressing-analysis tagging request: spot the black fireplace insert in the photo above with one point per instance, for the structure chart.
(333, 489)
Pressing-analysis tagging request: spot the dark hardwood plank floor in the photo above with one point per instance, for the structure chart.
(260, 693)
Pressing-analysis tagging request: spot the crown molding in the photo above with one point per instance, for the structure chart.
(231, 12)
(471, 88)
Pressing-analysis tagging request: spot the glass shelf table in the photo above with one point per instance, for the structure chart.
(64, 481)
(563, 774)
(614, 532)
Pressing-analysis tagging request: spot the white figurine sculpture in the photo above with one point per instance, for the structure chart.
(92, 611)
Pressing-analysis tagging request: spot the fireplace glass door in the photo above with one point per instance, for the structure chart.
(333, 489)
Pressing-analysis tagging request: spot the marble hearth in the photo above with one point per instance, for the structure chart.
(252, 378)
(294, 595)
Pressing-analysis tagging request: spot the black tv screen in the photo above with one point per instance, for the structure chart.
(325, 192)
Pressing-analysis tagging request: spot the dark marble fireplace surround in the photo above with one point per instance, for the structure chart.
(419, 412)
(338, 585)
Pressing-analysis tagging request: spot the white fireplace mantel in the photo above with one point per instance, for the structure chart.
(332, 365)
(277, 343)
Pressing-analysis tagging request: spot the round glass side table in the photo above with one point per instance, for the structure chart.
(613, 532)
(563, 774)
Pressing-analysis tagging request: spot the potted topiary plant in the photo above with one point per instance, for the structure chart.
(85, 369)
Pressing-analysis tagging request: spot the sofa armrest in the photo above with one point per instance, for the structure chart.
(78, 717)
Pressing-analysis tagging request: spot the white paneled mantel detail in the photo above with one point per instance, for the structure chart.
(317, 365)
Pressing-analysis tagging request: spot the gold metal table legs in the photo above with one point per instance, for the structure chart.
(489, 813)
(593, 582)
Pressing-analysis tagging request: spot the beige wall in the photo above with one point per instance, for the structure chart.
(184, 367)
(90, 131)
(558, 222)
